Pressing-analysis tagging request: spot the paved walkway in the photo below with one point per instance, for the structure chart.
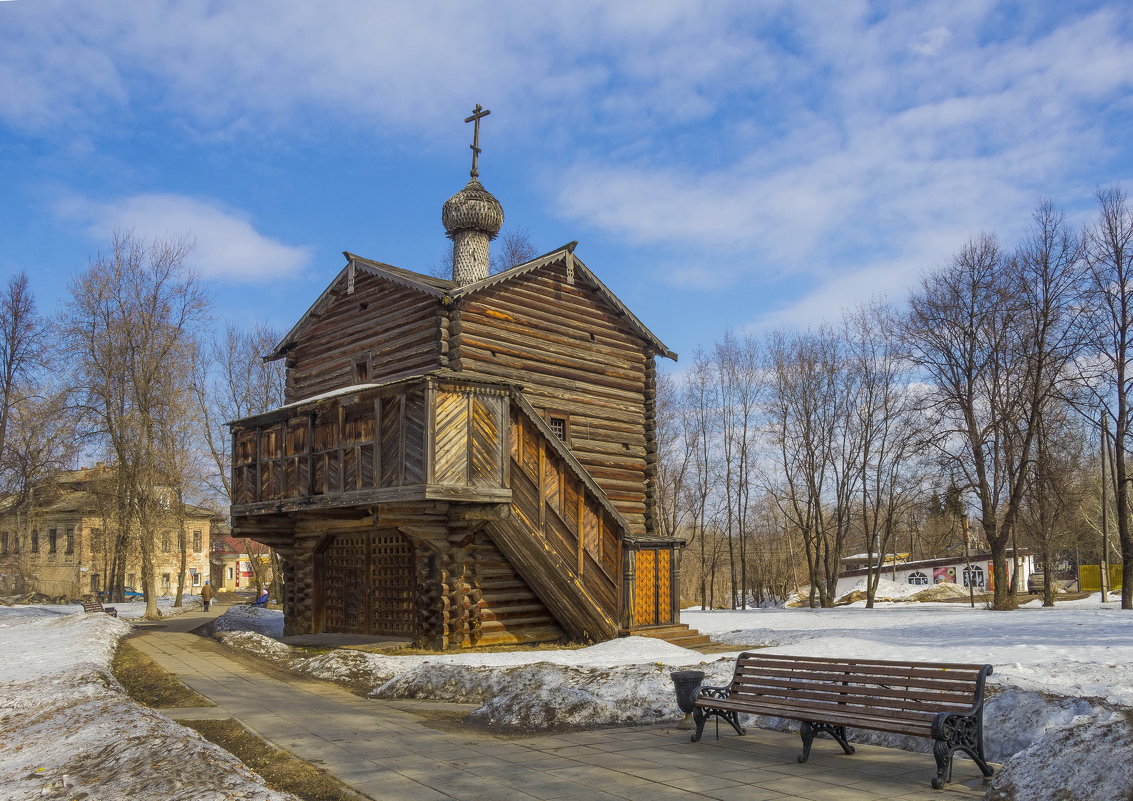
(387, 751)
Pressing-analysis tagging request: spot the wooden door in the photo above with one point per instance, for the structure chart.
(652, 602)
(368, 584)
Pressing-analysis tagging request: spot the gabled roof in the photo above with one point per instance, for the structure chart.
(442, 288)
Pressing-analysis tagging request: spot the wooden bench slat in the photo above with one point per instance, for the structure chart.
(851, 699)
(940, 674)
(823, 707)
(771, 686)
(890, 681)
(950, 666)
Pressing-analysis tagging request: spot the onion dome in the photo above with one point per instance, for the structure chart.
(473, 208)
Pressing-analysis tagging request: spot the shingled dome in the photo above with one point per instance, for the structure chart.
(473, 208)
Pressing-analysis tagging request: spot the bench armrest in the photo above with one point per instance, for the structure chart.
(718, 693)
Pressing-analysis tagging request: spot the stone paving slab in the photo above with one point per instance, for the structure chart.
(385, 750)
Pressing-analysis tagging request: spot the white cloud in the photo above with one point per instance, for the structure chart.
(226, 245)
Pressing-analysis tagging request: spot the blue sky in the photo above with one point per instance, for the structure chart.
(746, 165)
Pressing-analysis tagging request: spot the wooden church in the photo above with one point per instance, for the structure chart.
(464, 462)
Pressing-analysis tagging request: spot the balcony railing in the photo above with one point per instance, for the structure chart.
(422, 438)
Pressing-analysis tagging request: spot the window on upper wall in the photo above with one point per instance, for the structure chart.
(52, 541)
(35, 542)
(165, 542)
(558, 424)
(361, 372)
(70, 541)
(96, 540)
(196, 540)
(3, 542)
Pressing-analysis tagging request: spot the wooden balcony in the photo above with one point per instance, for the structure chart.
(423, 438)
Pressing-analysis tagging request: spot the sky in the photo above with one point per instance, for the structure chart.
(723, 165)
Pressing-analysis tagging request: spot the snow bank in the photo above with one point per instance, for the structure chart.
(268, 622)
(547, 696)
(68, 730)
(1085, 760)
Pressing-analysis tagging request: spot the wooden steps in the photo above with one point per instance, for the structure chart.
(510, 612)
(678, 634)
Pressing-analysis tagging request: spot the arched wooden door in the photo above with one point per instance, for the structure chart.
(368, 584)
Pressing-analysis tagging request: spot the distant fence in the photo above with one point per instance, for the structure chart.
(1090, 577)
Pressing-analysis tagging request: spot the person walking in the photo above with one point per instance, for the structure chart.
(206, 594)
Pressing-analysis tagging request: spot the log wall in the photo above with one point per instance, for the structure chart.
(572, 354)
(396, 329)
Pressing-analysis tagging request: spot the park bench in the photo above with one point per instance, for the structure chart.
(96, 606)
(939, 700)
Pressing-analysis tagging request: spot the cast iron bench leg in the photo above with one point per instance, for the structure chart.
(808, 731)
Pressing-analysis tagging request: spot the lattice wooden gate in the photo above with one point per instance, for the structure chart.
(368, 584)
(652, 593)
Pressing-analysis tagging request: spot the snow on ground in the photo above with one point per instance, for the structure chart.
(68, 730)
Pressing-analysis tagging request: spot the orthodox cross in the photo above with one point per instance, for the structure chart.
(477, 113)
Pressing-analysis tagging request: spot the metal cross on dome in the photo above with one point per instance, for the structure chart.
(477, 113)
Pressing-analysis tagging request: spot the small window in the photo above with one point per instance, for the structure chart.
(3, 542)
(70, 541)
(917, 577)
(230, 573)
(94, 583)
(197, 541)
(96, 540)
(974, 576)
(165, 580)
(165, 542)
(558, 427)
(35, 542)
(362, 370)
(52, 540)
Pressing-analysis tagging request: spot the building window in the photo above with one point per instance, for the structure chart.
(96, 540)
(917, 577)
(362, 370)
(974, 576)
(231, 573)
(196, 540)
(165, 581)
(3, 542)
(196, 579)
(35, 542)
(94, 582)
(52, 540)
(70, 541)
(165, 543)
(558, 427)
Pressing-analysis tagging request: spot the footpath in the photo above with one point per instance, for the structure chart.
(388, 750)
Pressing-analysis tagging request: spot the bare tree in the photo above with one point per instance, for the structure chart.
(22, 345)
(1107, 249)
(513, 248)
(888, 429)
(738, 375)
(231, 381)
(130, 322)
(809, 400)
(700, 425)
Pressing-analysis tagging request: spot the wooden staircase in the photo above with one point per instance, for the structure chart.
(678, 634)
(563, 537)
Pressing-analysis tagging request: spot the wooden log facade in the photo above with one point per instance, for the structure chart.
(463, 465)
